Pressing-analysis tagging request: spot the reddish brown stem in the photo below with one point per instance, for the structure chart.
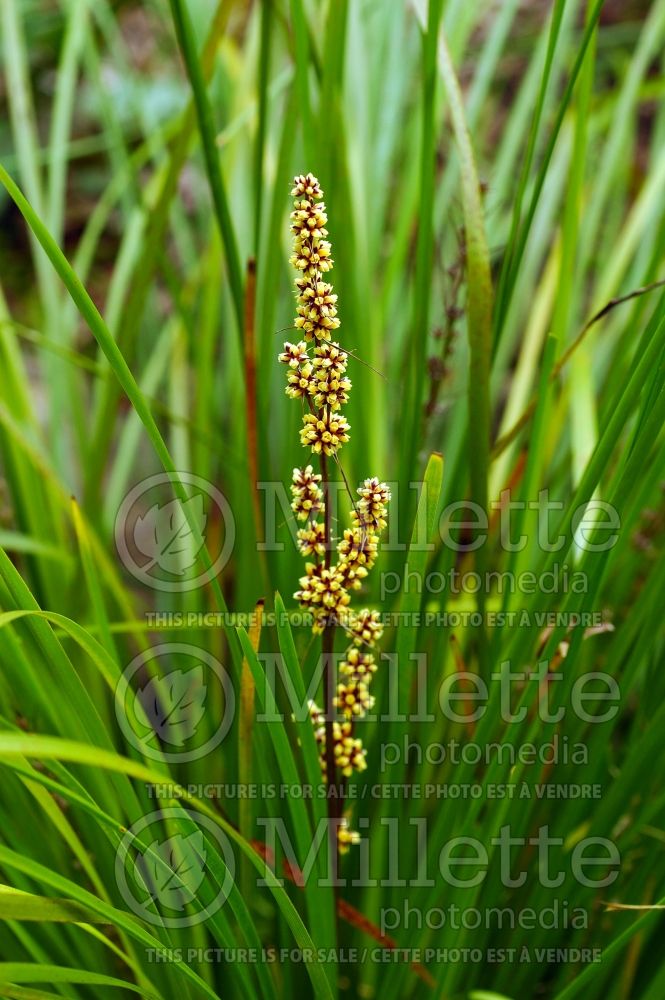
(327, 652)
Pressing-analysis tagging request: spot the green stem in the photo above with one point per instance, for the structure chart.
(207, 130)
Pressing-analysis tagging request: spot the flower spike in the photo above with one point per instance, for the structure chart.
(316, 375)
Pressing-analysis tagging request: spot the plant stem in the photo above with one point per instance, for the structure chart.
(327, 652)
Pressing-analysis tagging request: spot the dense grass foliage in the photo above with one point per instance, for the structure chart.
(495, 181)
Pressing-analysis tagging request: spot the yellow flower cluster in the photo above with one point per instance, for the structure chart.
(346, 837)
(358, 549)
(317, 375)
(307, 494)
(312, 539)
(371, 510)
(349, 750)
(317, 303)
(324, 591)
(320, 379)
(366, 627)
(324, 431)
(352, 701)
(357, 664)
